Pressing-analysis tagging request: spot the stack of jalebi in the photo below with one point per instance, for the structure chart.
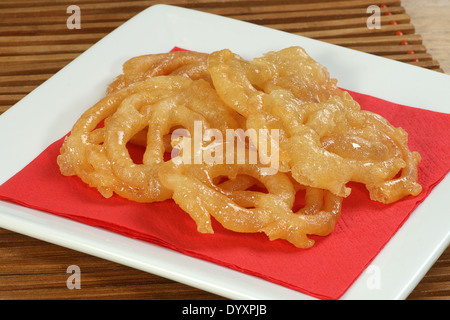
(324, 140)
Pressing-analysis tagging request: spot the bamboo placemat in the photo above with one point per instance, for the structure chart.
(35, 43)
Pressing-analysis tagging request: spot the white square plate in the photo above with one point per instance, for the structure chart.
(49, 112)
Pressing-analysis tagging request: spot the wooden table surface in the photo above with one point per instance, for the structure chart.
(35, 43)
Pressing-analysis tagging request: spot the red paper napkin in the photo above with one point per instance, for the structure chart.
(325, 271)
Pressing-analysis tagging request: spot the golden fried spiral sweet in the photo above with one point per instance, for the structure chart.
(290, 91)
(178, 63)
(83, 152)
(323, 141)
(248, 210)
